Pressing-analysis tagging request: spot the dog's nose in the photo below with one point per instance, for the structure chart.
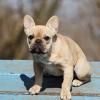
(38, 41)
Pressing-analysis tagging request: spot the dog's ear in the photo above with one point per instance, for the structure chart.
(28, 21)
(53, 23)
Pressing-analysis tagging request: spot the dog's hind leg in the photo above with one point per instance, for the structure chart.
(82, 71)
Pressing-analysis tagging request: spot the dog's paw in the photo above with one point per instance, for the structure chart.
(77, 82)
(65, 95)
(35, 89)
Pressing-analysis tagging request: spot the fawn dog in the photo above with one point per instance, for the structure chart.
(55, 54)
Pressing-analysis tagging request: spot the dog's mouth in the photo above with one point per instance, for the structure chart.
(37, 49)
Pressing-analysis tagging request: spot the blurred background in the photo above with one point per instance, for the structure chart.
(79, 19)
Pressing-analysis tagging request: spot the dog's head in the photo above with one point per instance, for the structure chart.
(40, 37)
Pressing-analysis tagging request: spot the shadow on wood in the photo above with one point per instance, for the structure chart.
(28, 82)
(48, 81)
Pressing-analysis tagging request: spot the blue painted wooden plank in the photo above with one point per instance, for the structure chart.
(15, 74)
(95, 69)
(43, 97)
(19, 84)
(16, 66)
(26, 66)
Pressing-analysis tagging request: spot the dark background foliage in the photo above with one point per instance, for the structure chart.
(79, 19)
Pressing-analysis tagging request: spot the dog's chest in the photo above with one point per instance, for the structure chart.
(43, 59)
(49, 67)
(52, 69)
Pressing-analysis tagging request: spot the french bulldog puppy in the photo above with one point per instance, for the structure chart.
(55, 54)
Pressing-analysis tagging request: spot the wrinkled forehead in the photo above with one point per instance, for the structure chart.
(39, 31)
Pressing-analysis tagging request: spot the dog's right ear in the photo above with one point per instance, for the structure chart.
(28, 21)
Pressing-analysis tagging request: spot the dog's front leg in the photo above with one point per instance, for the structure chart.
(67, 81)
(35, 89)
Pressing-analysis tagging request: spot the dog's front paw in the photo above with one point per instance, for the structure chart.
(65, 94)
(35, 89)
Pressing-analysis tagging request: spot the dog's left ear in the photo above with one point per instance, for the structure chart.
(53, 23)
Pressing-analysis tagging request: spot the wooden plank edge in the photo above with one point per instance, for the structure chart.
(45, 93)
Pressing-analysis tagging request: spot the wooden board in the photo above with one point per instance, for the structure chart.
(43, 97)
(16, 76)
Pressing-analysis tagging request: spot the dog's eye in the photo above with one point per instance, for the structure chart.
(30, 37)
(47, 38)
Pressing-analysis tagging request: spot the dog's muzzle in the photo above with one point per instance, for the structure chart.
(37, 48)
